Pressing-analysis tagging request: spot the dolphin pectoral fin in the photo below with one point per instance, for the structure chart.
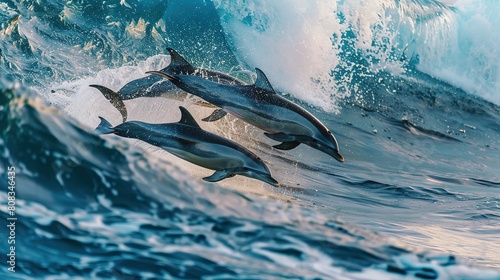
(215, 116)
(287, 145)
(219, 175)
(114, 98)
(280, 137)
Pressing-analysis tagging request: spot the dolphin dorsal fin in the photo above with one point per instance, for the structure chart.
(178, 62)
(262, 82)
(187, 118)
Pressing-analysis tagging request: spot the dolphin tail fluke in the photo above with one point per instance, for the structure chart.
(215, 116)
(114, 98)
(219, 175)
(104, 127)
(164, 75)
(287, 145)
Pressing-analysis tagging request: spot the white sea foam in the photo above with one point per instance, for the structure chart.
(291, 41)
(455, 41)
(85, 104)
(457, 44)
(470, 59)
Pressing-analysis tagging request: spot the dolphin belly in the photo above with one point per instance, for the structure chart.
(228, 163)
(210, 160)
(285, 122)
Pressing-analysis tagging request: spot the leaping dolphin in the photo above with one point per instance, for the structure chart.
(155, 86)
(187, 140)
(261, 106)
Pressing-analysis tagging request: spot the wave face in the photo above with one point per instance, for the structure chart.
(455, 43)
(409, 88)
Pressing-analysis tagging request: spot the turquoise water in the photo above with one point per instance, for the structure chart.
(409, 89)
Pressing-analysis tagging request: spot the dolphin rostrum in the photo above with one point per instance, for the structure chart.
(187, 140)
(261, 106)
(155, 86)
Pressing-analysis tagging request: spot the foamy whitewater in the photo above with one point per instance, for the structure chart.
(410, 89)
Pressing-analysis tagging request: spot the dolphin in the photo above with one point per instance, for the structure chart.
(155, 86)
(187, 140)
(261, 106)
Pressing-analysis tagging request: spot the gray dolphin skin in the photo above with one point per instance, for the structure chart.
(185, 139)
(155, 86)
(261, 106)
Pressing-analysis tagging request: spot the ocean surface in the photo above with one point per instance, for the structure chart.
(410, 89)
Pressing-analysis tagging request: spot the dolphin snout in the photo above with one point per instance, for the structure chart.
(337, 155)
(267, 178)
(270, 180)
(330, 151)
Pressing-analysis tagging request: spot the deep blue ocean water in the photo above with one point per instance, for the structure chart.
(410, 89)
